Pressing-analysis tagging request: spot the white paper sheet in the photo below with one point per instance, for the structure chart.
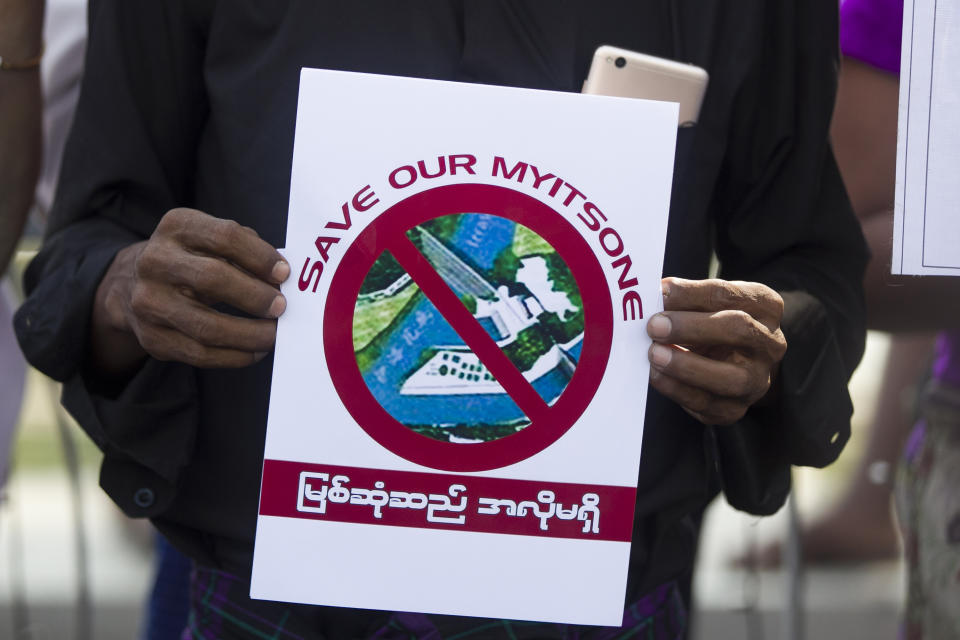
(927, 205)
(393, 478)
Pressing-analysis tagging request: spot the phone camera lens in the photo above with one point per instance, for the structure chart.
(620, 62)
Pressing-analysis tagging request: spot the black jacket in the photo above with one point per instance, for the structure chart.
(192, 103)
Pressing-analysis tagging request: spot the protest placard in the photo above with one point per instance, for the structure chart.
(459, 384)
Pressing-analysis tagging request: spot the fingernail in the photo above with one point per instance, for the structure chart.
(661, 355)
(659, 326)
(277, 307)
(281, 271)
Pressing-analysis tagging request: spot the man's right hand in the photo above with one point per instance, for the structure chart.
(156, 297)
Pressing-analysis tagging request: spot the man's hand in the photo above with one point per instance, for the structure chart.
(156, 297)
(717, 346)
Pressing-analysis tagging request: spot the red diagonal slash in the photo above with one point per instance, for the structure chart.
(467, 327)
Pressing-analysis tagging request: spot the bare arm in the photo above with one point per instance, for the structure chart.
(21, 38)
(864, 134)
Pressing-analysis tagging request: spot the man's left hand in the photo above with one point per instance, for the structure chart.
(717, 346)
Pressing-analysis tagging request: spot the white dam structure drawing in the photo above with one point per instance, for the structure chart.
(454, 369)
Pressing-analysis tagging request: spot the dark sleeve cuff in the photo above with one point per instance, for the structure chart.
(813, 403)
(806, 423)
(53, 323)
(753, 465)
(146, 429)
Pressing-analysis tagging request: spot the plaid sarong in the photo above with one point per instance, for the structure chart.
(220, 609)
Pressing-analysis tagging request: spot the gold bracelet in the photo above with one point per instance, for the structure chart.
(21, 65)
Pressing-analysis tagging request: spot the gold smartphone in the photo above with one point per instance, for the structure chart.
(628, 74)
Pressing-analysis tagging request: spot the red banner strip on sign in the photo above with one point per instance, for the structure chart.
(442, 501)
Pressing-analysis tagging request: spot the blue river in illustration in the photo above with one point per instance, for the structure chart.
(480, 238)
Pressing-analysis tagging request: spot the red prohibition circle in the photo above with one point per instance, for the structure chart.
(389, 230)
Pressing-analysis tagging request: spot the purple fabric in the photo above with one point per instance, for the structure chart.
(914, 444)
(870, 31)
(946, 362)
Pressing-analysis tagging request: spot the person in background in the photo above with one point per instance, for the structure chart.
(38, 94)
(864, 134)
(21, 50)
(42, 49)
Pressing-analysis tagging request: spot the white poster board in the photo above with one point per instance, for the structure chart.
(927, 206)
(460, 376)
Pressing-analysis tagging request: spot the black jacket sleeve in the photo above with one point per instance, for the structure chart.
(127, 162)
(783, 219)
